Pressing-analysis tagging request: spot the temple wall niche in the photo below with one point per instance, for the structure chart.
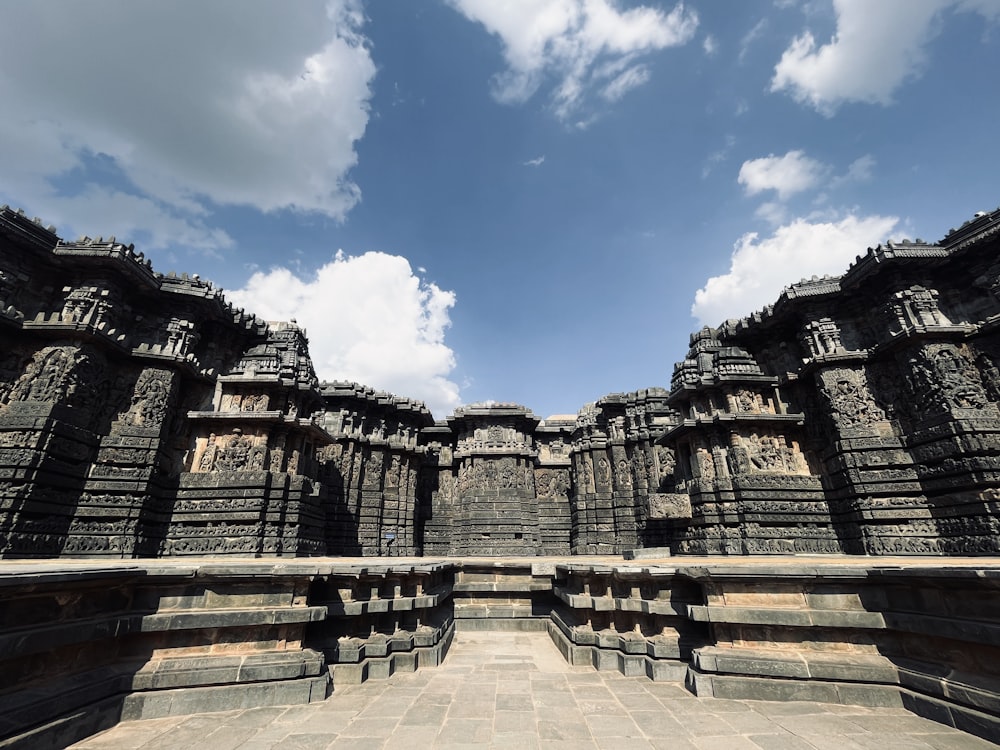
(142, 415)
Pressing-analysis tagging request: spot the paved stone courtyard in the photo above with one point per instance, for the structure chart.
(507, 690)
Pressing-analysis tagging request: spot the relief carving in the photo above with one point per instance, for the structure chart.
(821, 337)
(150, 399)
(851, 402)
(941, 378)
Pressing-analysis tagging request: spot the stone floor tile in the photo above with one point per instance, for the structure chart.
(369, 728)
(610, 725)
(514, 702)
(783, 741)
(229, 738)
(639, 702)
(549, 729)
(410, 737)
(752, 722)
(394, 708)
(330, 721)
(824, 724)
(576, 744)
(460, 731)
(705, 725)
(729, 742)
(424, 716)
(658, 724)
(357, 743)
(893, 740)
(788, 708)
(513, 722)
(832, 742)
(472, 709)
(671, 743)
(515, 741)
(304, 742)
(622, 743)
(902, 723)
(257, 744)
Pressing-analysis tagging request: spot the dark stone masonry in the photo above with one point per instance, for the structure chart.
(190, 521)
(142, 416)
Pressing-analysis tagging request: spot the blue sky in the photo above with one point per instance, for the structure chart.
(533, 201)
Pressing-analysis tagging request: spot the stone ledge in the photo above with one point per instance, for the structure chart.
(621, 603)
(790, 617)
(383, 667)
(630, 665)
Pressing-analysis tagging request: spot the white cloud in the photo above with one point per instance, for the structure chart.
(569, 40)
(190, 105)
(788, 174)
(751, 37)
(860, 170)
(625, 82)
(717, 157)
(536, 162)
(761, 267)
(710, 45)
(370, 319)
(772, 212)
(877, 47)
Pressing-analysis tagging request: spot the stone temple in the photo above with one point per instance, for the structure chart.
(144, 419)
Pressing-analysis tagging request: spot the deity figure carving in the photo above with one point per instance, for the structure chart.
(705, 464)
(623, 475)
(234, 455)
(373, 470)
(941, 377)
(603, 472)
(150, 398)
(392, 477)
(851, 402)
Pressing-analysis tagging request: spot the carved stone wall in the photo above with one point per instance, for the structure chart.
(372, 470)
(142, 415)
(873, 426)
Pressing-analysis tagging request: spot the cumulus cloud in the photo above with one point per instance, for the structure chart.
(875, 49)
(573, 41)
(189, 105)
(761, 267)
(370, 319)
(787, 175)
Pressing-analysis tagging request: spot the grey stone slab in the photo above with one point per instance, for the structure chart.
(658, 724)
(729, 742)
(610, 725)
(782, 741)
(312, 741)
(376, 727)
(463, 730)
(424, 716)
(824, 724)
(895, 740)
(514, 702)
(559, 729)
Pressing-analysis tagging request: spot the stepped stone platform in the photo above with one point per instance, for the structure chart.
(514, 690)
(87, 644)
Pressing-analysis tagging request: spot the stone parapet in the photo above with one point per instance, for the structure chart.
(85, 644)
